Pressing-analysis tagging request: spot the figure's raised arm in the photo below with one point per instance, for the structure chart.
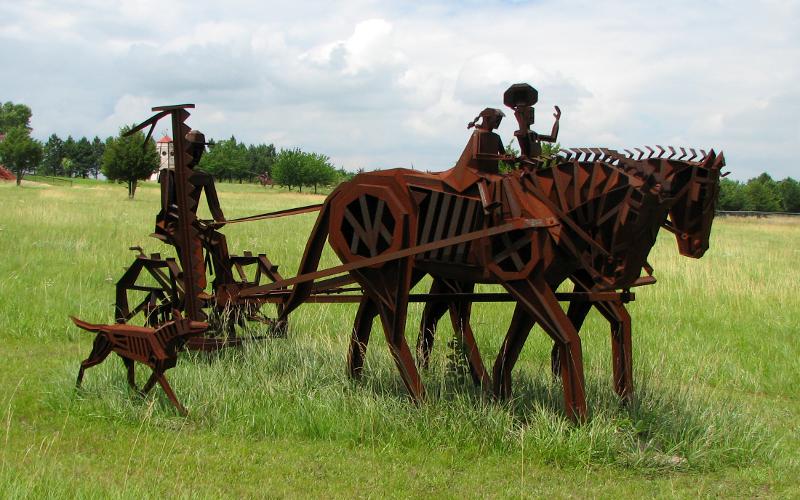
(553, 137)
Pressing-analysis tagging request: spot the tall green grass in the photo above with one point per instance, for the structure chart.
(715, 366)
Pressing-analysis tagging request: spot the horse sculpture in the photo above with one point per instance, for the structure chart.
(693, 187)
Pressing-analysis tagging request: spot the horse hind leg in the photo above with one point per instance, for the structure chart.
(394, 329)
(100, 351)
(367, 310)
(431, 314)
(518, 330)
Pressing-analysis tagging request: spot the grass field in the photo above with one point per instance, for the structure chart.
(715, 357)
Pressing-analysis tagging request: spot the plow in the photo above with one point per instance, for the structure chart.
(588, 216)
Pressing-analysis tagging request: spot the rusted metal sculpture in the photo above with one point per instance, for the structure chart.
(155, 347)
(587, 215)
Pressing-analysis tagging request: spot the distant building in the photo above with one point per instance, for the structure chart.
(165, 154)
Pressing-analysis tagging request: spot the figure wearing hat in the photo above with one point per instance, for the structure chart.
(521, 97)
(167, 219)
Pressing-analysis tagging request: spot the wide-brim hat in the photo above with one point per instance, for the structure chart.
(196, 137)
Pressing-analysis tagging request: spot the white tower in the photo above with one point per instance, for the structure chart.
(165, 153)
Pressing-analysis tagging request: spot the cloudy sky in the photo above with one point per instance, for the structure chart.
(393, 84)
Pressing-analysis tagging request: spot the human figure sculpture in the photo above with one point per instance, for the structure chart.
(521, 97)
(482, 154)
(167, 219)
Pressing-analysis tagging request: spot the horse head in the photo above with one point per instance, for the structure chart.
(696, 187)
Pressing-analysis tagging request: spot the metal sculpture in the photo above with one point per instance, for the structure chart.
(587, 215)
(691, 188)
(155, 347)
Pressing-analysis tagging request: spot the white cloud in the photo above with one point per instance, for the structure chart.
(379, 84)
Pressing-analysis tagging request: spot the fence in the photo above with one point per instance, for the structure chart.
(754, 213)
(47, 179)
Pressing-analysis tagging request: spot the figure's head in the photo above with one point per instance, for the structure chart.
(521, 97)
(197, 144)
(491, 119)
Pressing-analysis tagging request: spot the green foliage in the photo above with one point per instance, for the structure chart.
(511, 150)
(83, 157)
(732, 195)
(128, 159)
(67, 166)
(762, 194)
(548, 149)
(262, 157)
(227, 159)
(98, 148)
(52, 156)
(294, 167)
(789, 191)
(14, 116)
(19, 152)
(288, 168)
(318, 171)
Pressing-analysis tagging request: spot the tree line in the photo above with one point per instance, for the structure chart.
(234, 161)
(128, 159)
(761, 194)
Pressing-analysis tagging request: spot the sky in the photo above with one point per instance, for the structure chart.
(384, 84)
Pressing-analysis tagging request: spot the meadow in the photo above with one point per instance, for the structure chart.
(715, 367)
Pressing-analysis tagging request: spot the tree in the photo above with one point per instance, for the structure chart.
(226, 160)
(128, 159)
(762, 194)
(52, 155)
(82, 157)
(19, 152)
(317, 170)
(67, 166)
(287, 169)
(262, 157)
(789, 192)
(14, 116)
(98, 148)
(69, 153)
(731, 195)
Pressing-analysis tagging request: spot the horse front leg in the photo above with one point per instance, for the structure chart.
(621, 346)
(460, 313)
(539, 300)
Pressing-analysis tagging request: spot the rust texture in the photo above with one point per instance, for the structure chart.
(585, 215)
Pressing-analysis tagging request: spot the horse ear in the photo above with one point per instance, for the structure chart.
(719, 162)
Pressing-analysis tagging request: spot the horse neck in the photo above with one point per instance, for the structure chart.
(614, 206)
(598, 196)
